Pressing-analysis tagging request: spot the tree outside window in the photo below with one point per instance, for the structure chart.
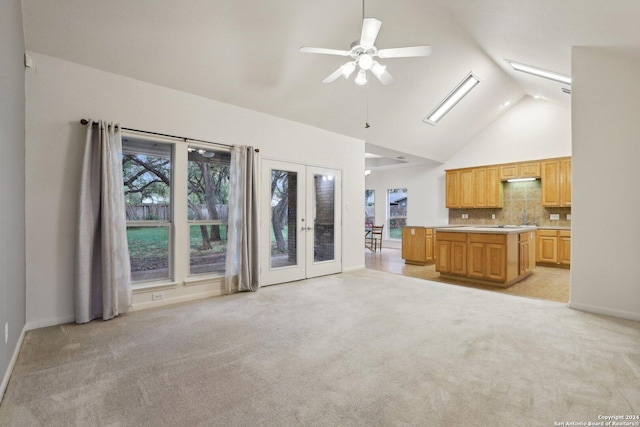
(397, 212)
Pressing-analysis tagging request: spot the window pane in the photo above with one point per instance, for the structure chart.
(324, 218)
(208, 184)
(284, 218)
(146, 169)
(397, 213)
(149, 252)
(369, 207)
(208, 243)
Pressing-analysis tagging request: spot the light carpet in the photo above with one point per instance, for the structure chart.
(361, 348)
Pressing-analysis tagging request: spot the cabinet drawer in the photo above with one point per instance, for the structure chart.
(547, 233)
(564, 233)
(487, 238)
(451, 237)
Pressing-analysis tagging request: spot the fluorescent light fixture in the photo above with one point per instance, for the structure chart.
(452, 99)
(521, 179)
(539, 72)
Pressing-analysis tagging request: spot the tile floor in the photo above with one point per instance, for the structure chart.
(546, 283)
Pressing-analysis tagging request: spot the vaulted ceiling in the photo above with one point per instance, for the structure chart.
(245, 52)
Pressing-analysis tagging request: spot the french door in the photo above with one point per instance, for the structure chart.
(301, 222)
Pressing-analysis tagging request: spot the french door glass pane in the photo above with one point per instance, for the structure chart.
(148, 252)
(324, 217)
(369, 207)
(284, 218)
(208, 248)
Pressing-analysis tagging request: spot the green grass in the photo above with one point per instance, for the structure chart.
(395, 233)
(148, 242)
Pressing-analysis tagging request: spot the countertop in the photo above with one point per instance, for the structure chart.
(528, 227)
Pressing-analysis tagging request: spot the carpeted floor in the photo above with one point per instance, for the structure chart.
(361, 348)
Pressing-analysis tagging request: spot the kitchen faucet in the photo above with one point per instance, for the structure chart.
(523, 217)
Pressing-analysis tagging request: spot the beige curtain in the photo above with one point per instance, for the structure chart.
(242, 262)
(102, 269)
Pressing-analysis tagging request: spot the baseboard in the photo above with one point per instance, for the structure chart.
(50, 322)
(356, 268)
(604, 310)
(174, 300)
(12, 363)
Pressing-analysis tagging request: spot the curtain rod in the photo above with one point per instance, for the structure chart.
(86, 122)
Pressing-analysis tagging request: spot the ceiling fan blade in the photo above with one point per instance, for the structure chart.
(370, 28)
(333, 76)
(324, 51)
(385, 77)
(405, 52)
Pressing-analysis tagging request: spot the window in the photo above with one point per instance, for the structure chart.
(151, 196)
(208, 208)
(369, 207)
(147, 190)
(397, 213)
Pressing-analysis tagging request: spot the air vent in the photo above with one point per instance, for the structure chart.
(567, 91)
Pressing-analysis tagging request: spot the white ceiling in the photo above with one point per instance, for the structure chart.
(245, 52)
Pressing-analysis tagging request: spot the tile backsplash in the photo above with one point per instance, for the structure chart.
(522, 200)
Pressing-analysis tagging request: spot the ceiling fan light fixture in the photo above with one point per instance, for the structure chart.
(361, 78)
(463, 88)
(365, 61)
(348, 68)
(539, 72)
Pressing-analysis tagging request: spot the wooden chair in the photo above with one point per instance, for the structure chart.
(375, 238)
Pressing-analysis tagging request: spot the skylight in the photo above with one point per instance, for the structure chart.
(539, 72)
(463, 88)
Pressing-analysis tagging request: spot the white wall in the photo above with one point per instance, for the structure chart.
(60, 93)
(606, 200)
(531, 129)
(12, 197)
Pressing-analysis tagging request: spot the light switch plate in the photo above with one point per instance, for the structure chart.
(554, 217)
(569, 217)
(493, 216)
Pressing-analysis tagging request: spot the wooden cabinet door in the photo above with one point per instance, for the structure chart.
(551, 183)
(493, 187)
(413, 244)
(524, 266)
(496, 261)
(548, 249)
(565, 182)
(508, 171)
(453, 189)
(443, 252)
(467, 188)
(481, 186)
(477, 260)
(564, 247)
(458, 258)
(429, 246)
(529, 170)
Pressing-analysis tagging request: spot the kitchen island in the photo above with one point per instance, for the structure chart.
(496, 256)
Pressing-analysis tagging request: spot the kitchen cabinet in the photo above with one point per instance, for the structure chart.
(520, 170)
(564, 247)
(467, 188)
(483, 255)
(451, 253)
(487, 256)
(553, 247)
(453, 188)
(417, 245)
(556, 183)
(474, 188)
(527, 258)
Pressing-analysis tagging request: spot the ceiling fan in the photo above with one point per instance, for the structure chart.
(363, 52)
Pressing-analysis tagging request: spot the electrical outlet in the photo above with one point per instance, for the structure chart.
(6, 332)
(554, 217)
(569, 217)
(157, 296)
(465, 216)
(493, 216)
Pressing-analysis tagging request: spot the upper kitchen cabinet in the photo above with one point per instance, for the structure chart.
(556, 182)
(520, 170)
(474, 188)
